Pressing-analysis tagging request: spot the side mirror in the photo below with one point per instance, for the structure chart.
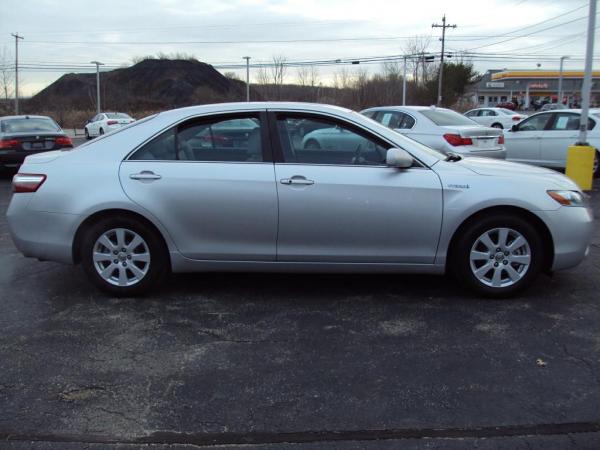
(396, 157)
(514, 128)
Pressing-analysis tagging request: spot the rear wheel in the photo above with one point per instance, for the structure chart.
(124, 257)
(498, 255)
(497, 125)
(101, 131)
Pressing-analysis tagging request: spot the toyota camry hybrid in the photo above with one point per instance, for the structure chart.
(231, 187)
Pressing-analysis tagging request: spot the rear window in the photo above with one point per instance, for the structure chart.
(118, 116)
(444, 117)
(28, 125)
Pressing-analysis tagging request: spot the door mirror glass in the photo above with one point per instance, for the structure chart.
(396, 157)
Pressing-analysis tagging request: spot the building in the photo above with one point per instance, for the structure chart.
(532, 88)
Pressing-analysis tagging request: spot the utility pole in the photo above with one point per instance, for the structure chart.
(17, 37)
(443, 26)
(587, 79)
(560, 78)
(247, 58)
(98, 64)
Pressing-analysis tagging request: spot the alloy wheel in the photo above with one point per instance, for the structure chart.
(121, 257)
(500, 257)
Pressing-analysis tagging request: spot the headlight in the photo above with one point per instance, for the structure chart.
(568, 198)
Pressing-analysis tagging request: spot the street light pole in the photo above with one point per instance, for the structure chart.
(443, 26)
(404, 83)
(587, 79)
(560, 78)
(98, 64)
(247, 58)
(17, 37)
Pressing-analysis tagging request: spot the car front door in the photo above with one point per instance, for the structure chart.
(214, 192)
(523, 143)
(344, 205)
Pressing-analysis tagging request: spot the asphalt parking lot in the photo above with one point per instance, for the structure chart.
(296, 361)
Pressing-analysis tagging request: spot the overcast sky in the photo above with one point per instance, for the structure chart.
(75, 32)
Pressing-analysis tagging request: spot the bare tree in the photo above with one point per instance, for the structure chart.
(7, 76)
(278, 70)
(308, 77)
(417, 47)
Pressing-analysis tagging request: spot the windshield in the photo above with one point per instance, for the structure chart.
(28, 125)
(118, 116)
(445, 117)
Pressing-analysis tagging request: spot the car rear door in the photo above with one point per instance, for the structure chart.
(344, 205)
(213, 189)
(562, 131)
(523, 144)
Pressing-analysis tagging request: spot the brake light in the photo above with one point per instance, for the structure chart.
(9, 143)
(456, 140)
(27, 182)
(64, 141)
(501, 139)
(515, 118)
(112, 122)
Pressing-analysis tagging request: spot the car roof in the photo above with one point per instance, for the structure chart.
(407, 108)
(25, 116)
(245, 106)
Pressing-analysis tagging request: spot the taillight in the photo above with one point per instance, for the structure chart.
(516, 118)
(27, 182)
(456, 140)
(112, 122)
(501, 139)
(9, 143)
(64, 141)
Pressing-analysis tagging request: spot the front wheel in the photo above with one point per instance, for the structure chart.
(87, 135)
(498, 255)
(124, 257)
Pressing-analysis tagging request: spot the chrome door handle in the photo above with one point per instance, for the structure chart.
(296, 180)
(145, 175)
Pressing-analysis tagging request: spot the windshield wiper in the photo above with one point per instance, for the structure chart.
(452, 157)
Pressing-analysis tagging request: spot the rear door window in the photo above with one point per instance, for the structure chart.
(223, 139)
(568, 122)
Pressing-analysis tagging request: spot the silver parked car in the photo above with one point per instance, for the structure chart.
(185, 190)
(441, 129)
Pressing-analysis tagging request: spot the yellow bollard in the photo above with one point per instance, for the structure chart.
(580, 165)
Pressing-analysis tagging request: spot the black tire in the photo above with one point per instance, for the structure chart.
(159, 265)
(87, 135)
(311, 144)
(460, 263)
(101, 131)
(497, 125)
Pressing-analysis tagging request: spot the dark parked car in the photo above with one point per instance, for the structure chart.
(21, 136)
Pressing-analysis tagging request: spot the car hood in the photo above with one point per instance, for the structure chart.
(500, 168)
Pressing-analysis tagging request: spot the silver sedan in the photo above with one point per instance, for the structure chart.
(197, 190)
